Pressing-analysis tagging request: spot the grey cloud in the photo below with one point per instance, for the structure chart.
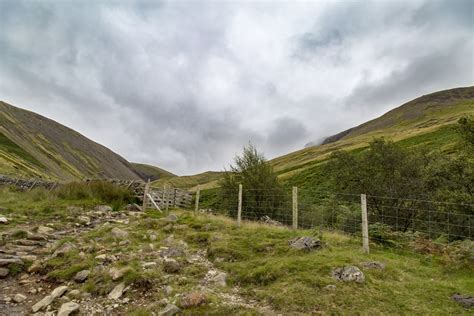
(425, 74)
(184, 85)
(285, 131)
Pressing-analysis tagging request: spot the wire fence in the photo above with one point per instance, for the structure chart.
(389, 218)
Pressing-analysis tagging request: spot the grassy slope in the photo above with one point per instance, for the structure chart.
(206, 180)
(32, 145)
(412, 119)
(258, 260)
(151, 172)
(426, 122)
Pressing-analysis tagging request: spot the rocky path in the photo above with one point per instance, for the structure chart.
(26, 288)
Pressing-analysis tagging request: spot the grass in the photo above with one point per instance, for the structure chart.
(258, 261)
(10, 147)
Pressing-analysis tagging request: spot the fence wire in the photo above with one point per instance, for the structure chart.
(387, 216)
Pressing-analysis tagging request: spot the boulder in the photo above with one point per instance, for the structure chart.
(47, 300)
(466, 301)
(59, 291)
(81, 276)
(68, 308)
(119, 233)
(45, 230)
(220, 279)
(216, 277)
(172, 218)
(305, 243)
(117, 273)
(84, 220)
(117, 292)
(169, 310)
(19, 298)
(348, 274)
(3, 220)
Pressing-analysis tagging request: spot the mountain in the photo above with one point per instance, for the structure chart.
(425, 109)
(425, 121)
(34, 146)
(151, 172)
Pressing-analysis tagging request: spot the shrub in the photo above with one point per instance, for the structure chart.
(101, 190)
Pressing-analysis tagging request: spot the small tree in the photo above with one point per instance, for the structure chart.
(262, 194)
(385, 169)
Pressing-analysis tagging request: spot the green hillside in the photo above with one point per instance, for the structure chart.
(151, 172)
(206, 180)
(426, 122)
(34, 146)
(426, 115)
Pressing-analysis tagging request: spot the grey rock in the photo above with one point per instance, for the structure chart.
(74, 293)
(267, 220)
(46, 301)
(149, 265)
(466, 301)
(8, 261)
(348, 274)
(305, 243)
(45, 230)
(59, 291)
(119, 233)
(81, 276)
(103, 208)
(65, 248)
(172, 252)
(117, 292)
(68, 308)
(118, 273)
(169, 310)
(3, 273)
(18, 298)
(35, 267)
(84, 220)
(220, 279)
(3, 220)
(373, 265)
(172, 218)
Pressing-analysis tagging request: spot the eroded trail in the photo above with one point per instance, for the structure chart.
(114, 263)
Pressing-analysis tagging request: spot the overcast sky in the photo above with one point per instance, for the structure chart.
(184, 85)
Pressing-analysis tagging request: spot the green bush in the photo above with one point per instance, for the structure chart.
(100, 190)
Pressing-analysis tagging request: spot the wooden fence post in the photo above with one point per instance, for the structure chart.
(198, 193)
(295, 208)
(365, 225)
(145, 195)
(239, 210)
(167, 200)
